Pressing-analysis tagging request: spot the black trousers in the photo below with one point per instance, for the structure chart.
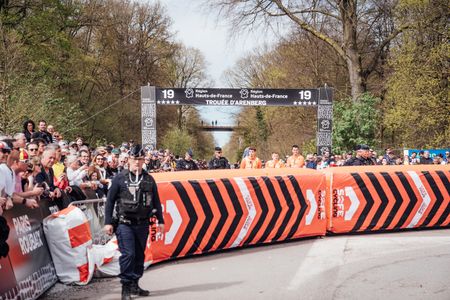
(132, 241)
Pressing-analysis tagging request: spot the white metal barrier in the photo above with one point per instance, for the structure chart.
(94, 209)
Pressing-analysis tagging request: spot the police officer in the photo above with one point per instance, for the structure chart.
(218, 161)
(135, 197)
(362, 157)
(187, 163)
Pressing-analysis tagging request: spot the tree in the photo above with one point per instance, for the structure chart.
(187, 69)
(356, 123)
(360, 33)
(417, 106)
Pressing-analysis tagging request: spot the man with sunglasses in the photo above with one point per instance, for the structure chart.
(134, 194)
(218, 161)
(32, 150)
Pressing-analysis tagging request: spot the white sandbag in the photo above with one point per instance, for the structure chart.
(69, 237)
(106, 258)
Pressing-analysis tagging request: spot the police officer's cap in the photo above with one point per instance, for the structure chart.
(362, 147)
(218, 149)
(136, 151)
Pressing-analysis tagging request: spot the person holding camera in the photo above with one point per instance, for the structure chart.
(134, 195)
(218, 161)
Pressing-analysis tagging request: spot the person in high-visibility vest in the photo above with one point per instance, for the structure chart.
(251, 161)
(296, 160)
(275, 162)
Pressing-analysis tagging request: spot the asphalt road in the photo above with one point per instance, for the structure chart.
(404, 265)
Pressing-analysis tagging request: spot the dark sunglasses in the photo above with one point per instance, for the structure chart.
(6, 151)
(33, 149)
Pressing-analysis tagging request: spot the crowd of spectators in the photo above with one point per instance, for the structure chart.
(38, 162)
(315, 161)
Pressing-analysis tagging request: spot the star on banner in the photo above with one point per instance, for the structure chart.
(295, 102)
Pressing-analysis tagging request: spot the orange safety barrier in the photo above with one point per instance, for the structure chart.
(382, 198)
(244, 207)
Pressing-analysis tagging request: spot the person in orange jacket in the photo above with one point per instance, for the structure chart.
(251, 161)
(275, 162)
(296, 160)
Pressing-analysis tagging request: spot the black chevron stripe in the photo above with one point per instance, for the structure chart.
(290, 205)
(264, 210)
(303, 206)
(398, 200)
(208, 215)
(223, 214)
(444, 180)
(412, 199)
(437, 193)
(276, 214)
(444, 216)
(237, 208)
(192, 217)
(383, 198)
(369, 201)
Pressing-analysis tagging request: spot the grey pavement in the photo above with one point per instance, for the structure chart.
(402, 265)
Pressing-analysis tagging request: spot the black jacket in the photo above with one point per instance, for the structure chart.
(186, 165)
(218, 163)
(120, 183)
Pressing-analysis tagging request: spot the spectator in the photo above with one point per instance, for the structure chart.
(84, 158)
(93, 179)
(6, 179)
(437, 160)
(275, 162)
(251, 161)
(296, 160)
(99, 164)
(75, 171)
(51, 131)
(46, 178)
(322, 162)
(20, 144)
(123, 161)
(79, 141)
(218, 161)
(33, 169)
(414, 160)
(27, 198)
(112, 168)
(398, 161)
(28, 129)
(187, 163)
(41, 146)
(446, 159)
(406, 160)
(43, 133)
(32, 150)
(426, 159)
(57, 137)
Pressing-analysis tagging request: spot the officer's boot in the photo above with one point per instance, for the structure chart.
(126, 291)
(136, 290)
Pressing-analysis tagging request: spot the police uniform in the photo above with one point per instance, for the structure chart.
(218, 163)
(135, 198)
(359, 160)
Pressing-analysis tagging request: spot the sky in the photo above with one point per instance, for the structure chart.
(196, 27)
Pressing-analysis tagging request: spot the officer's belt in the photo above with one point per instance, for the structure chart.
(123, 220)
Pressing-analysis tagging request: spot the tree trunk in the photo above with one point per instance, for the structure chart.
(353, 59)
(357, 83)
